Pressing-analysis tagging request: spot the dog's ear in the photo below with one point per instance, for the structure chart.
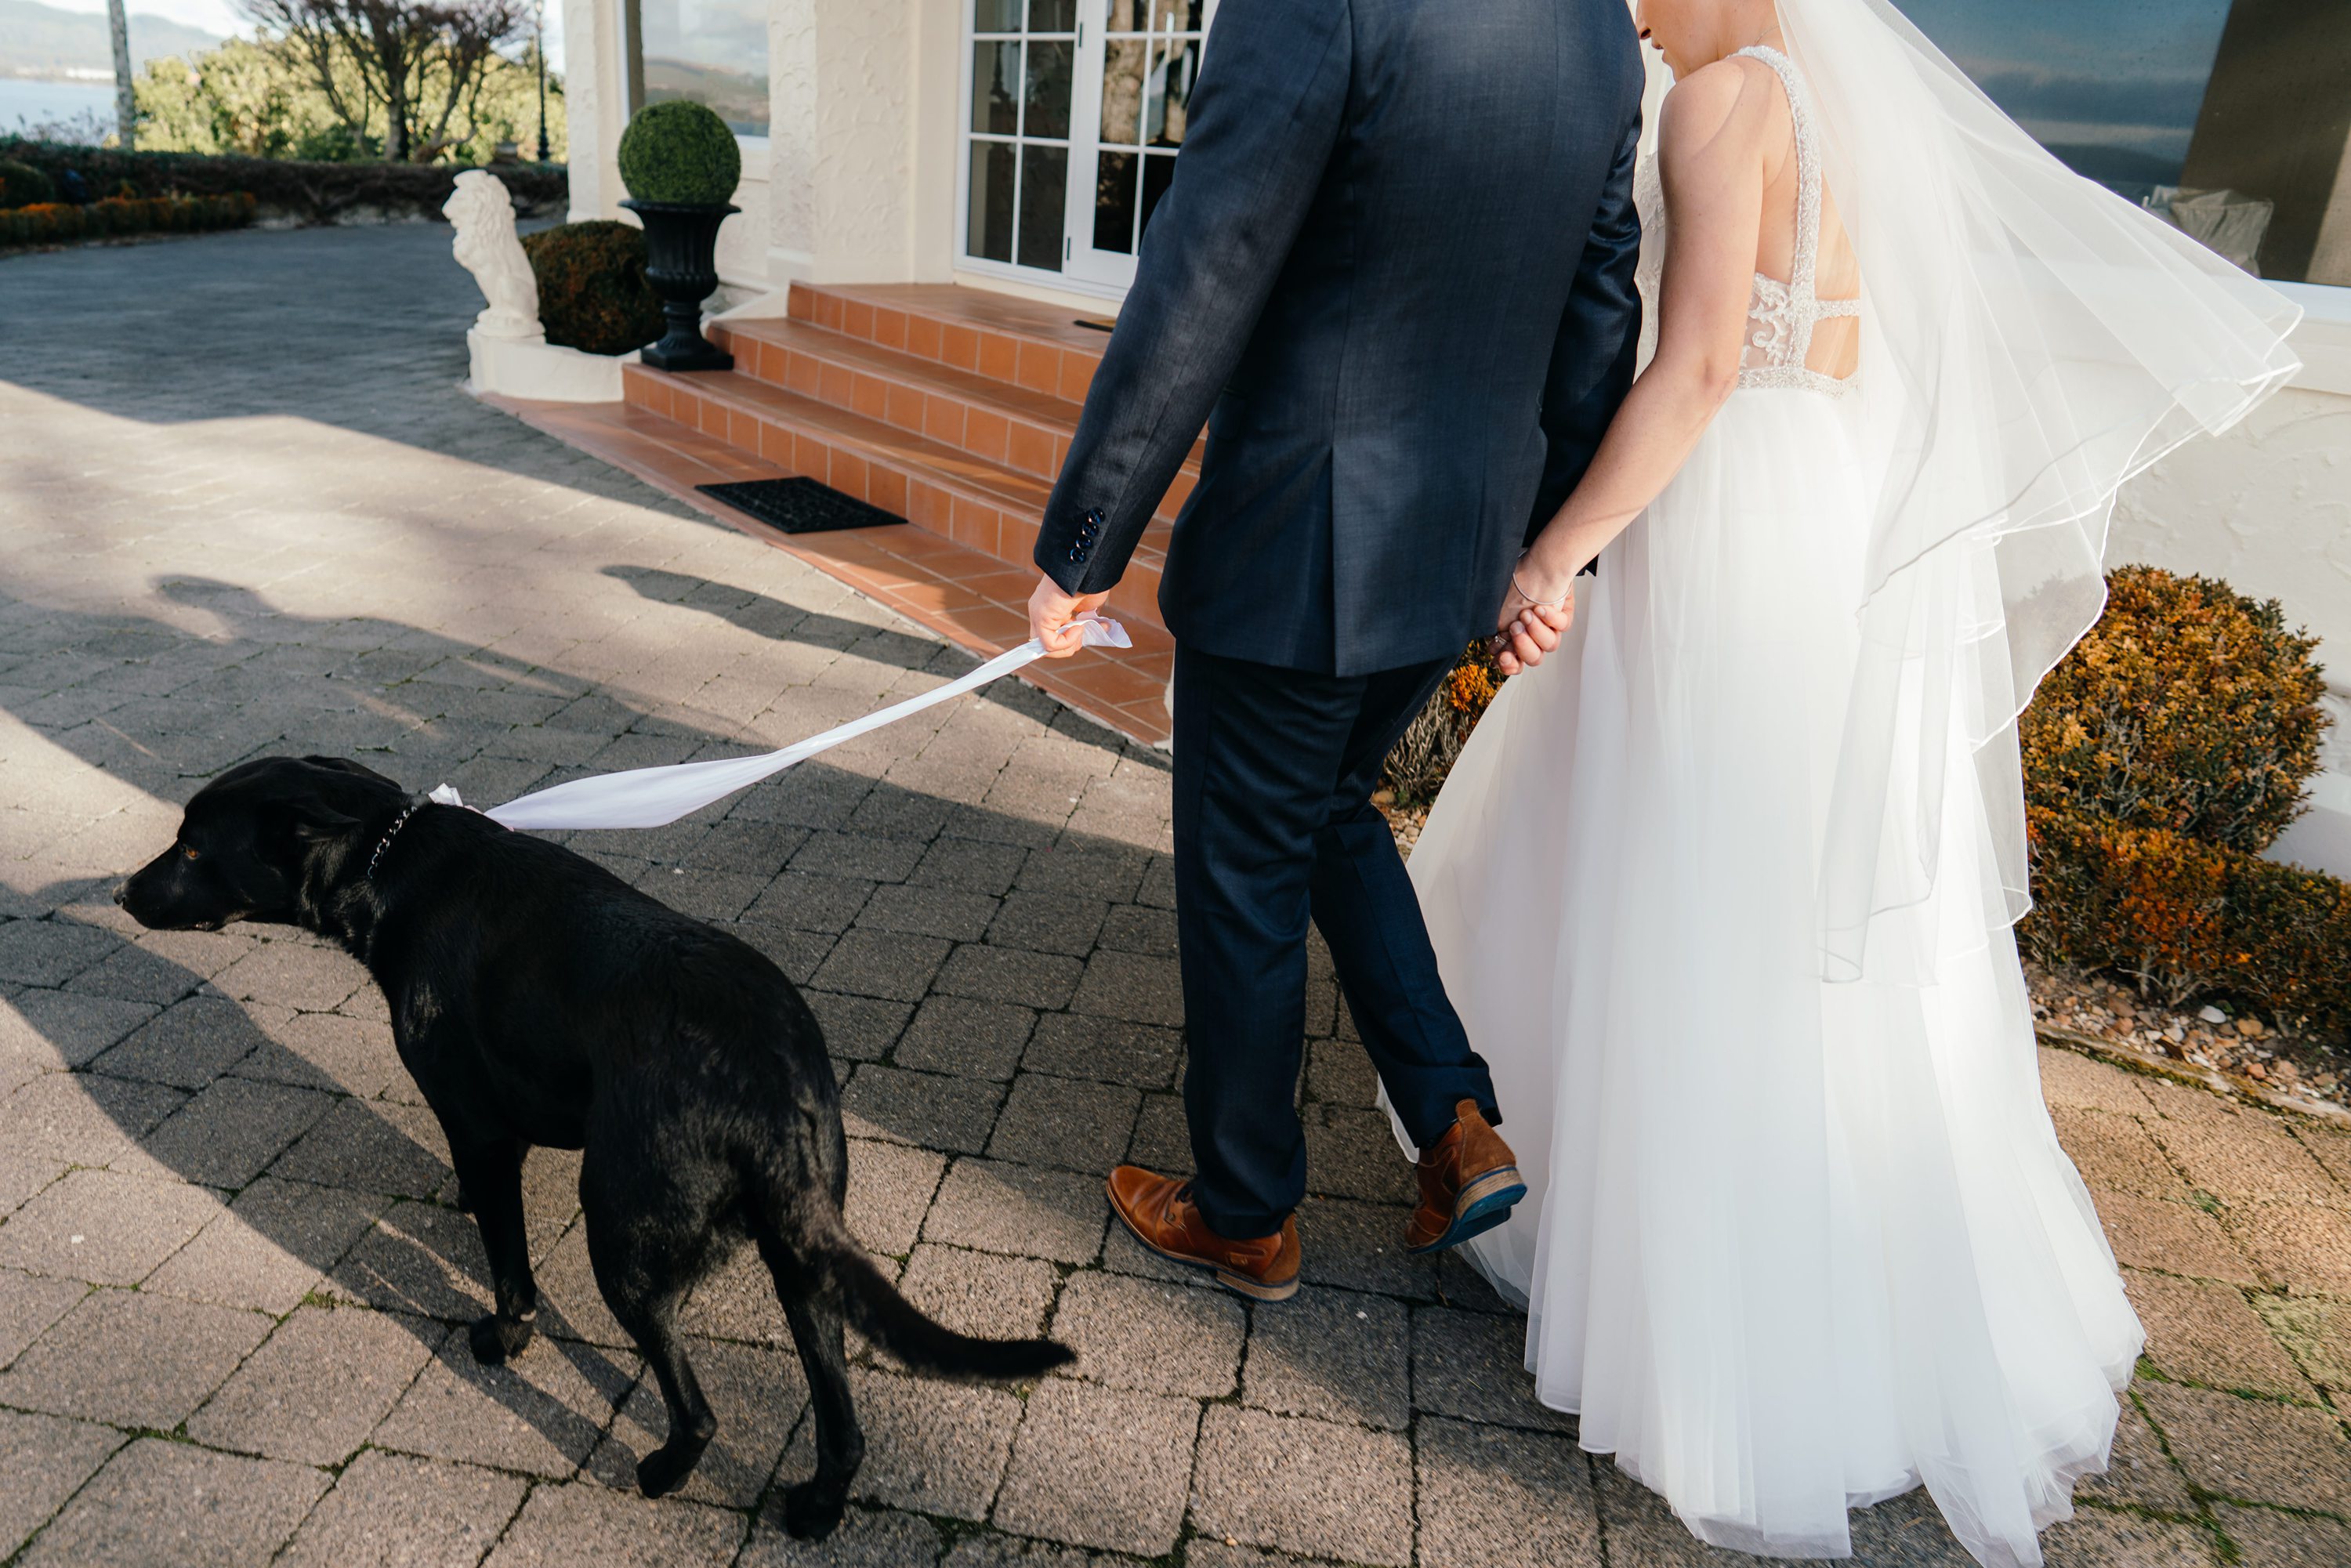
(315, 820)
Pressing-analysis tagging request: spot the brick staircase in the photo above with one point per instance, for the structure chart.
(952, 407)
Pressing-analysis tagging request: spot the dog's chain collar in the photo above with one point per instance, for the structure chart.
(397, 823)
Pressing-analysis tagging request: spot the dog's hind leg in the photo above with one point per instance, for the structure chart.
(491, 1176)
(649, 1247)
(814, 1506)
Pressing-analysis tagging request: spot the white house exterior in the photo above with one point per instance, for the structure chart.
(887, 121)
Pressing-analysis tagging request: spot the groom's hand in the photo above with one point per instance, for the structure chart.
(1053, 615)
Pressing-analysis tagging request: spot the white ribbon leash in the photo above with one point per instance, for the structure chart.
(655, 797)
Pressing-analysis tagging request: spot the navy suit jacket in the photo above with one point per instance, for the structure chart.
(1393, 274)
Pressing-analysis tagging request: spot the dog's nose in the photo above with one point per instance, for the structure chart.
(121, 893)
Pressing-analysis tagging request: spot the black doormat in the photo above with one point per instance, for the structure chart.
(799, 506)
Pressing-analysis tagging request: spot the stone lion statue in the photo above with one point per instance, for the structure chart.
(482, 211)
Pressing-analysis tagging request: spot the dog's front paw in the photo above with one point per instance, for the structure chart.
(812, 1510)
(497, 1340)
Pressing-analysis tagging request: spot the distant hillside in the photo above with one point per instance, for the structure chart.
(38, 40)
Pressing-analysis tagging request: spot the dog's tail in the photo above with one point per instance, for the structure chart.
(898, 1326)
(816, 1236)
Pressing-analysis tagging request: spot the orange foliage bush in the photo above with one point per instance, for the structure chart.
(1416, 769)
(2187, 707)
(2160, 758)
(52, 223)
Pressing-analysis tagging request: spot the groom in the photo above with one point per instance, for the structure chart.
(1393, 274)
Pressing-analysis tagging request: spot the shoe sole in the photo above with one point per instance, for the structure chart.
(1483, 1204)
(1238, 1284)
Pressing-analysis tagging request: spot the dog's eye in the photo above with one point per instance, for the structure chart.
(189, 851)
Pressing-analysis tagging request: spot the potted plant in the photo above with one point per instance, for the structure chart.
(680, 163)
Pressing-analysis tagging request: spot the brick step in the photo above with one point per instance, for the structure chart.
(1027, 432)
(1015, 342)
(980, 505)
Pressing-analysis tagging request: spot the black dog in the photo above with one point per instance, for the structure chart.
(537, 999)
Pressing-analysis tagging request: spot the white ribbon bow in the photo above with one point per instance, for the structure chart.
(655, 797)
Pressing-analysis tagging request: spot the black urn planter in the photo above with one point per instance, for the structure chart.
(681, 263)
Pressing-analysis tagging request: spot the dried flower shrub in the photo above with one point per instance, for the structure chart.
(2160, 758)
(1416, 768)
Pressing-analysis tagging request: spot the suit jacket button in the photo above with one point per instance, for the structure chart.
(1077, 552)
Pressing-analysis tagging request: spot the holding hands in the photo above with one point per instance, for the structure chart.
(1536, 613)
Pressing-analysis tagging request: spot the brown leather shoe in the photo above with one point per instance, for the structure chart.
(1160, 1211)
(1469, 1180)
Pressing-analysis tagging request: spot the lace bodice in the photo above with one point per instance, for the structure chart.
(1781, 317)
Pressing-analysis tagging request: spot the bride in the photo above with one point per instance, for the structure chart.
(1723, 891)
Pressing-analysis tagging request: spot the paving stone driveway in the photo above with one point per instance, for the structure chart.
(246, 511)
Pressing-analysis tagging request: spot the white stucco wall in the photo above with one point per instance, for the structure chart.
(841, 152)
(2268, 509)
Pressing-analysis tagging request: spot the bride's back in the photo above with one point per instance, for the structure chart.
(1833, 349)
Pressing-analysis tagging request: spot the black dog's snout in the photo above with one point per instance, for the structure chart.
(122, 892)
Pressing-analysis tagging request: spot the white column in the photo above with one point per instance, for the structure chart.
(595, 105)
(842, 76)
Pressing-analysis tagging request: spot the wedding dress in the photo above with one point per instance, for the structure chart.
(1799, 1234)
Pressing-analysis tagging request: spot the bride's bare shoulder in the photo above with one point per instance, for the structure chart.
(1730, 110)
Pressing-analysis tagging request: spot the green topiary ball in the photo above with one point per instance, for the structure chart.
(592, 293)
(680, 151)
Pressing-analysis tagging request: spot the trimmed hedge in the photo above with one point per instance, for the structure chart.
(2167, 751)
(53, 223)
(592, 293)
(287, 191)
(2187, 707)
(2184, 918)
(680, 150)
(22, 185)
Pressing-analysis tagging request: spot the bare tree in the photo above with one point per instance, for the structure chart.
(126, 97)
(420, 63)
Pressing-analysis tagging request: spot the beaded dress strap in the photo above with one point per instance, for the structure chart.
(1796, 306)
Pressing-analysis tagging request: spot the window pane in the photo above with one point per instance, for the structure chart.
(1158, 171)
(1168, 93)
(1049, 89)
(1121, 95)
(2228, 117)
(995, 87)
(1129, 17)
(990, 235)
(1176, 15)
(1053, 16)
(714, 52)
(1114, 177)
(1044, 183)
(995, 16)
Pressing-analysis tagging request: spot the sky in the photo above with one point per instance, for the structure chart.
(2117, 73)
(222, 18)
(212, 15)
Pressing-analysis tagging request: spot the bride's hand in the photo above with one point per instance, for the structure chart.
(1527, 628)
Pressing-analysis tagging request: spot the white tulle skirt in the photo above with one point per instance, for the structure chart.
(1789, 1248)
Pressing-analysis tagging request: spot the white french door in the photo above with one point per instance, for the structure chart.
(1075, 111)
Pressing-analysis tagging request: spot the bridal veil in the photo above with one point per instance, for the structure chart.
(2030, 342)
